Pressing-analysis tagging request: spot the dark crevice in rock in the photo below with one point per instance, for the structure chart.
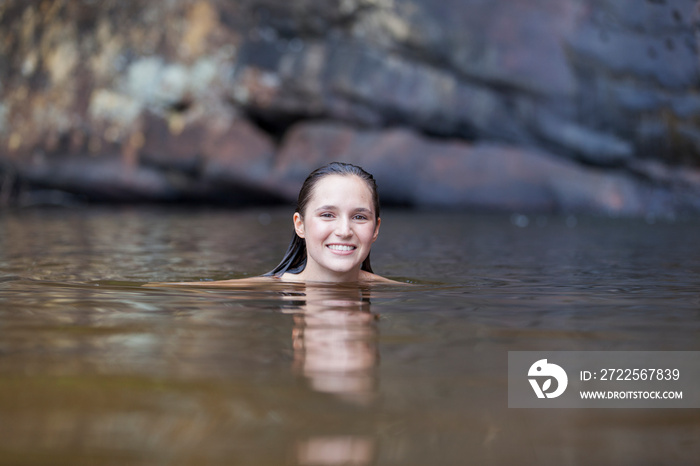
(304, 19)
(181, 106)
(275, 126)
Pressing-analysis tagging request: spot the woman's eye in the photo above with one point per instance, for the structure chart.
(360, 217)
(327, 215)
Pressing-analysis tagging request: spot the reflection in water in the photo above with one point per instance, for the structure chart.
(335, 342)
(329, 450)
(335, 349)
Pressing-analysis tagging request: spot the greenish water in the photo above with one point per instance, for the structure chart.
(95, 369)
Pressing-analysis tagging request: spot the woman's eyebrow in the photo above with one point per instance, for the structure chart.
(326, 207)
(332, 207)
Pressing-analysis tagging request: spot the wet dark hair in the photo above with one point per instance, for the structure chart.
(294, 260)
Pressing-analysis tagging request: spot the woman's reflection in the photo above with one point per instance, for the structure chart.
(335, 341)
(336, 450)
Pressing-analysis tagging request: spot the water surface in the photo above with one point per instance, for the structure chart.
(96, 369)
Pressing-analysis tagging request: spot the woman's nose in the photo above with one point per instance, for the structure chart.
(342, 228)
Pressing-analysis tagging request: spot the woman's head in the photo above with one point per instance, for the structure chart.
(336, 168)
(336, 221)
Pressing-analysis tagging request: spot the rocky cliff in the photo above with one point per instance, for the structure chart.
(547, 105)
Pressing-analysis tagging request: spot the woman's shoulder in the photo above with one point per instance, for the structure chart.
(374, 278)
(217, 283)
(365, 277)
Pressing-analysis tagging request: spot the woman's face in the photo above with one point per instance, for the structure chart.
(339, 228)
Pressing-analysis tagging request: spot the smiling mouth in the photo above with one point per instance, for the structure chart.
(341, 247)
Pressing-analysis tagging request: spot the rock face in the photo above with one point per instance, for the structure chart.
(411, 170)
(555, 105)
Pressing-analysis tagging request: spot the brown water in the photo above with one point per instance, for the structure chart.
(97, 370)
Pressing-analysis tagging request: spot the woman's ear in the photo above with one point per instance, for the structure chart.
(376, 230)
(299, 224)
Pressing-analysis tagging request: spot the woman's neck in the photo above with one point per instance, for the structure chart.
(310, 274)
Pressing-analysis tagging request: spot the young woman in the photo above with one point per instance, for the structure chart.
(335, 224)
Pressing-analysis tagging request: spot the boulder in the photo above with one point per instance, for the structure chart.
(599, 81)
(413, 170)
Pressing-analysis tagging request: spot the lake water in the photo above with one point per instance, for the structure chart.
(97, 370)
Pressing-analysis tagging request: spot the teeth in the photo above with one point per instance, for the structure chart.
(340, 247)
